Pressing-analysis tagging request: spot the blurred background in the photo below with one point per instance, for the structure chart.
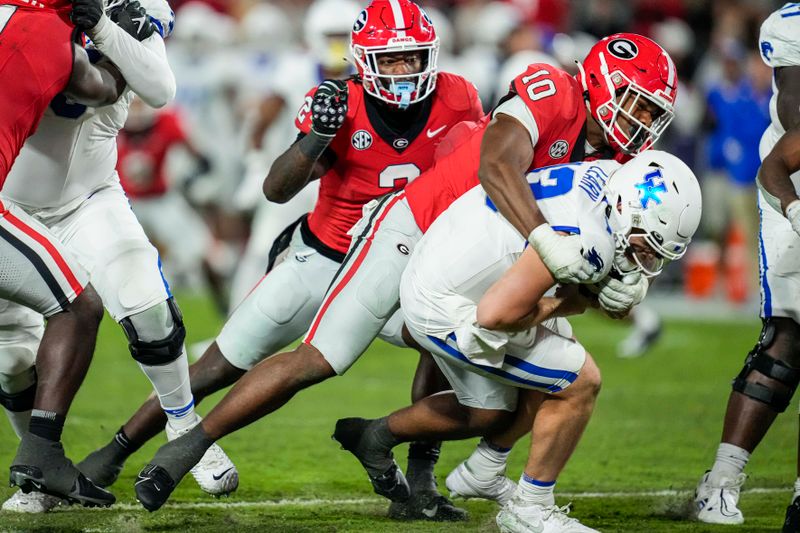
(194, 171)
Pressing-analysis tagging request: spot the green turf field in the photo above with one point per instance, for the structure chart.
(656, 428)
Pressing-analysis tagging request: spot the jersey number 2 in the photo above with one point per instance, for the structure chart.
(542, 88)
(393, 173)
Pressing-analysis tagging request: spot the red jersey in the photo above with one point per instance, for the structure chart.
(35, 65)
(555, 101)
(372, 161)
(46, 4)
(141, 158)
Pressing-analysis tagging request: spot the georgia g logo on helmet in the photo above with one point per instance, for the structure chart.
(623, 49)
(360, 22)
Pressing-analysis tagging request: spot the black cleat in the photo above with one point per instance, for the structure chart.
(41, 466)
(354, 434)
(427, 505)
(791, 523)
(153, 487)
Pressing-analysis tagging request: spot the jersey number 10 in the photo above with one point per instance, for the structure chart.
(542, 88)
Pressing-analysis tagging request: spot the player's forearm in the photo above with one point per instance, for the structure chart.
(511, 194)
(144, 65)
(293, 169)
(776, 169)
(94, 85)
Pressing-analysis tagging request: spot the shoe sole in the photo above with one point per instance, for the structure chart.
(29, 482)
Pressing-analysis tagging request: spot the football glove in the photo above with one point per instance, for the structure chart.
(328, 108)
(86, 13)
(131, 17)
(617, 297)
(793, 214)
(561, 254)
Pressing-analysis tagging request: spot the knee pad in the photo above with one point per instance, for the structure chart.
(758, 360)
(23, 400)
(168, 345)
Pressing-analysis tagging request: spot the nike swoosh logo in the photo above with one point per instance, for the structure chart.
(430, 513)
(218, 477)
(435, 132)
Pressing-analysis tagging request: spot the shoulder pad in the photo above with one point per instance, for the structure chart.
(778, 40)
(456, 92)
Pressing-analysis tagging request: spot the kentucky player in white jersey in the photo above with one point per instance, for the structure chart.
(771, 373)
(65, 178)
(480, 299)
(326, 29)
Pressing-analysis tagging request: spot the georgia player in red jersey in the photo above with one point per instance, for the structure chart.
(363, 138)
(38, 60)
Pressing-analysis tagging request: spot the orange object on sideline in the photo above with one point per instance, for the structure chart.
(700, 270)
(736, 266)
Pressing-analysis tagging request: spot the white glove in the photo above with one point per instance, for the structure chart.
(619, 297)
(793, 214)
(561, 254)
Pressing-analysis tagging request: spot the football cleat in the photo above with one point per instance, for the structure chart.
(215, 473)
(153, 487)
(462, 483)
(639, 341)
(717, 503)
(791, 524)
(427, 505)
(33, 502)
(386, 477)
(40, 465)
(520, 517)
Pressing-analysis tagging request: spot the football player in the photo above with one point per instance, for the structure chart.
(64, 176)
(38, 59)
(631, 111)
(363, 138)
(771, 372)
(479, 298)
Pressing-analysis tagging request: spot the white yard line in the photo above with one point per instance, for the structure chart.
(225, 503)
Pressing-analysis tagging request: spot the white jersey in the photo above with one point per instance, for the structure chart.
(74, 150)
(779, 42)
(470, 245)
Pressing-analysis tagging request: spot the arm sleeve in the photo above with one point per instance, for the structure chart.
(143, 65)
(515, 107)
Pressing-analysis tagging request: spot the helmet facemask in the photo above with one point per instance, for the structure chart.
(401, 90)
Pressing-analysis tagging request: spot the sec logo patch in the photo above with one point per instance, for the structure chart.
(559, 149)
(361, 140)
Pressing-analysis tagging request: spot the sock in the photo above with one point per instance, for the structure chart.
(422, 457)
(171, 383)
(46, 424)
(20, 421)
(534, 491)
(645, 318)
(796, 489)
(487, 461)
(730, 462)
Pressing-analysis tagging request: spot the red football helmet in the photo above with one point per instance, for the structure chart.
(388, 26)
(618, 71)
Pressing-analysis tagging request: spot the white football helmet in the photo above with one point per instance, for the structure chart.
(657, 197)
(326, 27)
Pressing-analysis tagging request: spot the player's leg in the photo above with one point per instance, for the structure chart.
(645, 328)
(278, 310)
(769, 378)
(42, 276)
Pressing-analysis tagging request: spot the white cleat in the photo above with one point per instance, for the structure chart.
(517, 517)
(33, 502)
(463, 484)
(215, 473)
(718, 504)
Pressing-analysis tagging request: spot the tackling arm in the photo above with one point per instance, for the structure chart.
(93, 85)
(144, 65)
(784, 158)
(295, 167)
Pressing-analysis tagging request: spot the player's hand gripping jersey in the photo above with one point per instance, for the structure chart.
(471, 245)
(371, 160)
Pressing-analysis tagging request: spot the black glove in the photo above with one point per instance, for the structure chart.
(329, 107)
(86, 13)
(131, 17)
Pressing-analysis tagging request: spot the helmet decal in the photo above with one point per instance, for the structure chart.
(361, 21)
(649, 189)
(623, 48)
